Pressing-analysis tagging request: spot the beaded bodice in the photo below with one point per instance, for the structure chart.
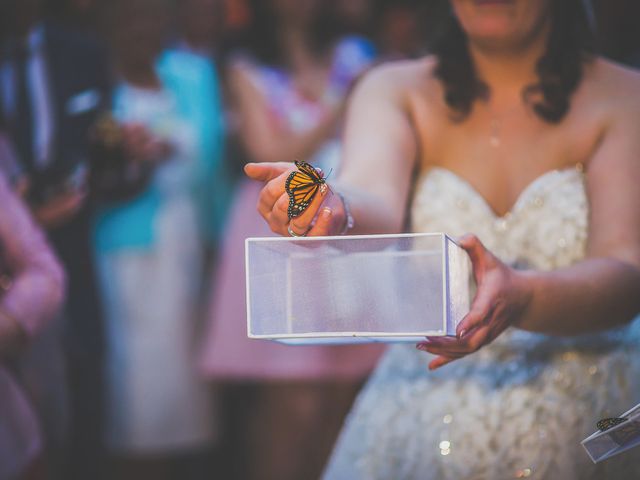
(545, 229)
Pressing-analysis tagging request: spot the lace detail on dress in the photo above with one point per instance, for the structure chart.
(519, 407)
(545, 229)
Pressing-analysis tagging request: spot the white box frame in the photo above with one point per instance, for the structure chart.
(448, 324)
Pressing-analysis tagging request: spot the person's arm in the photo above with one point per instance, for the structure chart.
(604, 290)
(600, 292)
(375, 173)
(266, 140)
(37, 280)
(60, 209)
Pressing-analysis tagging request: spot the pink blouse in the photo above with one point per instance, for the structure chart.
(34, 296)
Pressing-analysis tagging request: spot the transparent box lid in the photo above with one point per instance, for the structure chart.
(353, 289)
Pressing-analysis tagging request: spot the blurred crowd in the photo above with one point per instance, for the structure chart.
(124, 126)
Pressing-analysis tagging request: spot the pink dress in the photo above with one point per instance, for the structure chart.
(34, 296)
(227, 352)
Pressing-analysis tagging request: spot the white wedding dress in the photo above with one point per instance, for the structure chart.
(520, 406)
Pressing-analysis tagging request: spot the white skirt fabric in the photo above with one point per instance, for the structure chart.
(156, 400)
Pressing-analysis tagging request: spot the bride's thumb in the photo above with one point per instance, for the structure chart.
(266, 171)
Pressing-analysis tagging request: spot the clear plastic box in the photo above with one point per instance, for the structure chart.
(618, 439)
(355, 289)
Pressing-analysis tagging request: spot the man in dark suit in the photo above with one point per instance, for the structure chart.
(53, 84)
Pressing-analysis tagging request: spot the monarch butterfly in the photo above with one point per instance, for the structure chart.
(607, 423)
(302, 185)
(623, 434)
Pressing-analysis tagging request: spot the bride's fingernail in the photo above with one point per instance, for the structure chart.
(421, 346)
(327, 212)
(462, 333)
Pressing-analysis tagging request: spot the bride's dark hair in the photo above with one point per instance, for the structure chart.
(571, 43)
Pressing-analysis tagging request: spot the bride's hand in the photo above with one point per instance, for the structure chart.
(274, 202)
(502, 296)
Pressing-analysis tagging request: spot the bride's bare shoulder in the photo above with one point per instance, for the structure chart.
(613, 86)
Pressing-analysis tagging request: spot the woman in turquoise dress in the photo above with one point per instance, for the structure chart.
(150, 248)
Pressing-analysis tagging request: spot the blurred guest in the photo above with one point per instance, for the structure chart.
(238, 14)
(289, 89)
(355, 16)
(31, 291)
(149, 252)
(201, 24)
(40, 369)
(399, 28)
(85, 15)
(52, 83)
(200, 33)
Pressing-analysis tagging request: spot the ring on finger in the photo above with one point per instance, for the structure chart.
(294, 234)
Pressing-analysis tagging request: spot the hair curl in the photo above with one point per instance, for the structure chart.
(571, 43)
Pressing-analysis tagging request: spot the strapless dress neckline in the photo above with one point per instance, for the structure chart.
(546, 228)
(533, 186)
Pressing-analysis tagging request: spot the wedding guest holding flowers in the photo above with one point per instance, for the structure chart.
(149, 249)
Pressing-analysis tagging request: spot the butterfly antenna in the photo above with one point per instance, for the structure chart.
(329, 174)
(326, 178)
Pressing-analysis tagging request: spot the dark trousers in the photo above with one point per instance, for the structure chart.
(84, 351)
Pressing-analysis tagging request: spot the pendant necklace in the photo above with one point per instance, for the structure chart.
(495, 125)
(494, 137)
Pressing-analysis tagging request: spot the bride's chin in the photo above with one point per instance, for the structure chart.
(502, 41)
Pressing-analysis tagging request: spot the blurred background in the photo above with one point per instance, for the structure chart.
(124, 127)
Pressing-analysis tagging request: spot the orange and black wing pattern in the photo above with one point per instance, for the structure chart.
(625, 433)
(607, 423)
(302, 185)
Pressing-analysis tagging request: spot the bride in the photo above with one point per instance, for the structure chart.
(516, 131)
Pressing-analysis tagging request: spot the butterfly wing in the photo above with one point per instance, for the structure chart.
(306, 168)
(296, 180)
(607, 423)
(302, 186)
(301, 189)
